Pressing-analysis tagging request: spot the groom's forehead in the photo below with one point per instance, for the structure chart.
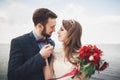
(51, 22)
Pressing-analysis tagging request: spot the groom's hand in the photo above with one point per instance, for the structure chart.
(46, 51)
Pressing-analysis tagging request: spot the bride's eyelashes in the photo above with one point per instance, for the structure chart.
(61, 29)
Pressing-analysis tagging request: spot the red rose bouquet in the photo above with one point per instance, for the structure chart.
(90, 60)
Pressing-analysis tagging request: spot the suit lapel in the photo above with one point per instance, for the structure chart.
(33, 42)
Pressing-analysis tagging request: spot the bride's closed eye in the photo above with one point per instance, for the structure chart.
(61, 29)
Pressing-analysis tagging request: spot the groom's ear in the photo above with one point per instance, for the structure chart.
(40, 26)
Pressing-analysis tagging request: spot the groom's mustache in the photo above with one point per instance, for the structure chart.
(45, 34)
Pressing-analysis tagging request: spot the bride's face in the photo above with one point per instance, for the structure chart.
(62, 33)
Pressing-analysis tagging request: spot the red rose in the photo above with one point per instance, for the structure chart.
(97, 50)
(82, 52)
(96, 59)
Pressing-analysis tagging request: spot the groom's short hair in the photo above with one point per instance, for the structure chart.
(41, 15)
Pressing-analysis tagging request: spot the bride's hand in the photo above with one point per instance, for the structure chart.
(46, 60)
(47, 70)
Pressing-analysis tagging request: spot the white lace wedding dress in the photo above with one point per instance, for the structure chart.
(61, 66)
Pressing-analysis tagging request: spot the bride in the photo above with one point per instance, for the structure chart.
(63, 65)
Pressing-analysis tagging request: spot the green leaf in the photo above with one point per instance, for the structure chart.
(88, 70)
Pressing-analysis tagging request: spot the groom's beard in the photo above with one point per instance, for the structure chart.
(44, 33)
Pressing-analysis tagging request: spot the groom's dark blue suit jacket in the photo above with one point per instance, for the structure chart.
(25, 62)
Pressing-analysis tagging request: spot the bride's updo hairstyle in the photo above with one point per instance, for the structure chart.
(73, 40)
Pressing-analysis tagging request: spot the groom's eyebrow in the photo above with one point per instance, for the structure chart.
(53, 26)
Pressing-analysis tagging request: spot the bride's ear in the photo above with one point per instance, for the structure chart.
(40, 26)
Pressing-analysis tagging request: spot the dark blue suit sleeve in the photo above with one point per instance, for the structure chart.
(17, 68)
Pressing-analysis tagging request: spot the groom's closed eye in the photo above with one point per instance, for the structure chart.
(52, 27)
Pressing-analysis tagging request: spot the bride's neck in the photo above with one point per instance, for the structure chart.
(64, 53)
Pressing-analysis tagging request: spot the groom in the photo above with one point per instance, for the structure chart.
(28, 52)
